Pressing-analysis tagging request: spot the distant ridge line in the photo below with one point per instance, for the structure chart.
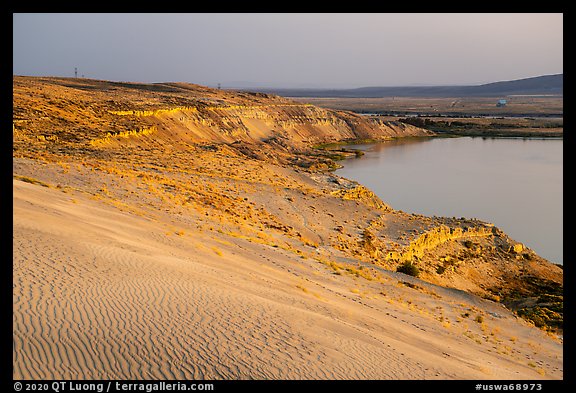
(540, 85)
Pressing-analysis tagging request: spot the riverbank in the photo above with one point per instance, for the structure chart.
(516, 106)
(148, 288)
(210, 247)
(521, 117)
(512, 127)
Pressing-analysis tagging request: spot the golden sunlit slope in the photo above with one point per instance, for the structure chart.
(187, 232)
(203, 145)
(105, 293)
(89, 114)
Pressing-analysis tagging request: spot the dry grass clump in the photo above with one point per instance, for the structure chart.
(31, 180)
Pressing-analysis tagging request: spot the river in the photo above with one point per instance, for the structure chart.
(514, 183)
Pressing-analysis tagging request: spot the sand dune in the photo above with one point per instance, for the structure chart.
(172, 231)
(100, 293)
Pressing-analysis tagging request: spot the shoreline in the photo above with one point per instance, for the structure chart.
(393, 192)
(501, 133)
(338, 151)
(204, 232)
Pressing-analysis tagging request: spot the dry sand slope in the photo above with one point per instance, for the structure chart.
(172, 231)
(100, 293)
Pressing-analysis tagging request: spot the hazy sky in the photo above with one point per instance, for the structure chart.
(291, 49)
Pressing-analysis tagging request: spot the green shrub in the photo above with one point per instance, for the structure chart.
(408, 268)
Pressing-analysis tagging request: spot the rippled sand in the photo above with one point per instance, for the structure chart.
(105, 294)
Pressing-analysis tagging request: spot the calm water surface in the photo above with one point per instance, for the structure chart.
(514, 183)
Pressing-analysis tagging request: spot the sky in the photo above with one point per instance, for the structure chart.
(292, 50)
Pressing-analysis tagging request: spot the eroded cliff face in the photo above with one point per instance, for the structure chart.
(245, 163)
(434, 237)
(298, 124)
(89, 114)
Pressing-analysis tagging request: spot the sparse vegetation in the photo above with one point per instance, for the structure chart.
(246, 197)
(542, 317)
(31, 180)
(409, 268)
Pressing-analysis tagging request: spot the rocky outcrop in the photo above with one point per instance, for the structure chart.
(299, 124)
(156, 112)
(101, 115)
(361, 193)
(202, 139)
(436, 236)
(111, 137)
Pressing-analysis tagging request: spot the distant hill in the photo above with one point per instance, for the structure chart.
(546, 84)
